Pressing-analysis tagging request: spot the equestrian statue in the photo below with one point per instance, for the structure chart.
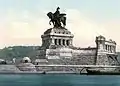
(57, 19)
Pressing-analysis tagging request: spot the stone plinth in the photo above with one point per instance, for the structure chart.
(56, 43)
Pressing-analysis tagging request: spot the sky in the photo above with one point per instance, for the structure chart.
(22, 22)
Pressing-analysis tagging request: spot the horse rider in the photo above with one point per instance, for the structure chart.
(57, 13)
(57, 17)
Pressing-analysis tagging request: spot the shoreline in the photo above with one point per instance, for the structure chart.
(42, 72)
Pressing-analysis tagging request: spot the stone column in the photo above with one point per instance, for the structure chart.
(70, 42)
(52, 42)
(108, 47)
(111, 49)
(57, 41)
(65, 42)
(103, 47)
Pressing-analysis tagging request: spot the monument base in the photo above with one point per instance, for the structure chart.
(57, 53)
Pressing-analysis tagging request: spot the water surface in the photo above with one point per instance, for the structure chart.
(59, 80)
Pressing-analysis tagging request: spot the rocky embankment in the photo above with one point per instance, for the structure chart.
(8, 68)
(30, 68)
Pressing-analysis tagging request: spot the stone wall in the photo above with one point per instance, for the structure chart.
(84, 56)
(57, 48)
(8, 68)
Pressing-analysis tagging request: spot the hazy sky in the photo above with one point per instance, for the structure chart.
(22, 22)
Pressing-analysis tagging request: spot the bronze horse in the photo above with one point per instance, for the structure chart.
(57, 21)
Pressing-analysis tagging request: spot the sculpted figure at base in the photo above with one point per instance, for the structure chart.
(57, 19)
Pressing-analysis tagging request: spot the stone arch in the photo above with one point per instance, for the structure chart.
(59, 41)
(55, 41)
(67, 42)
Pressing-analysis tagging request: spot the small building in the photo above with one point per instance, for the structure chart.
(26, 65)
(26, 60)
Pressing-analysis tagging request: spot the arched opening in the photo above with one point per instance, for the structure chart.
(67, 42)
(59, 41)
(63, 41)
(26, 61)
(106, 47)
(55, 41)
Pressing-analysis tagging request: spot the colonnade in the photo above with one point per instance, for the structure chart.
(65, 42)
(110, 48)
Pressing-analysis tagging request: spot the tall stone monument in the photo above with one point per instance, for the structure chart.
(56, 41)
(57, 46)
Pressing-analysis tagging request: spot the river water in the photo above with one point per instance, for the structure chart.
(59, 80)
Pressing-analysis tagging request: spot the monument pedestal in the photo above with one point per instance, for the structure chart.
(56, 43)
